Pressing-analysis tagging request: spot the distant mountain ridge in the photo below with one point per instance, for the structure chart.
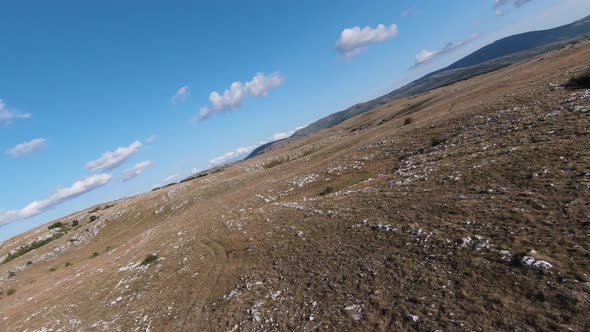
(497, 55)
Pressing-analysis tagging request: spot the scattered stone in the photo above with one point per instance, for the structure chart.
(412, 318)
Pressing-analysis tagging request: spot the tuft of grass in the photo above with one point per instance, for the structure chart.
(34, 245)
(149, 259)
(53, 269)
(10, 291)
(29, 263)
(408, 121)
(95, 254)
(68, 264)
(579, 81)
(435, 140)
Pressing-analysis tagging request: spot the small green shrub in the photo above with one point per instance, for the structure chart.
(10, 291)
(93, 218)
(29, 263)
(408, 121)
(68, 264)
(95, 254)
(434, 141)
(11, 274)
(53, 269)
(75, 222)
(149, 259)
(327, 190)
(55, 225)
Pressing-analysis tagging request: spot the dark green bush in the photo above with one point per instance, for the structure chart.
(149, 259)
(434, 141)
(580, 81)
(55, 225)
(408, 121)
(327, 190)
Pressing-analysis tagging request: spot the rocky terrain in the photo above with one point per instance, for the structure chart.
(464, 208)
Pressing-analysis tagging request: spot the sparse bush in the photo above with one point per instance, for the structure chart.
(75, 222)
(408, 121)
(29, 263)
(435, 140)
(93, 218)
(149, 259)
(11, 274)
(95, 254)
(55, 225)
(327, 190)
(275, 162)
(53, 269)
(10, 291)
(25, 249)
(580, 81)
(68, 264)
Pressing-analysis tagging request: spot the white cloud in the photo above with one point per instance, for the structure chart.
(499, 4)
(355, 40)
(134, 171)
(180, 95)
(8, 115)
(278, 136)
(61, 195)
(514, 3)
(195, 170)
(232, 155)
(112, 159)
(27, 147)
(151, 138)
(426, 55)
(233, 97)
(172, 177)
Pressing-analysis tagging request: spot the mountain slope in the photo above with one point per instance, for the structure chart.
(499, 54)
(370, 225)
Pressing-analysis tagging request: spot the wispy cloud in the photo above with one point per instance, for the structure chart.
(134, 171)
(232, 155)
(151, 138)
(112, 159)
(7, 115)
(172, 177)
(233, 97)
(181, 95)
(501, 6)
(59, 196)
(281, 135)
(355, 40)
(426, 55)
(27, 147)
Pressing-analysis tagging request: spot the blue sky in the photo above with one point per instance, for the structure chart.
(103, 100)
